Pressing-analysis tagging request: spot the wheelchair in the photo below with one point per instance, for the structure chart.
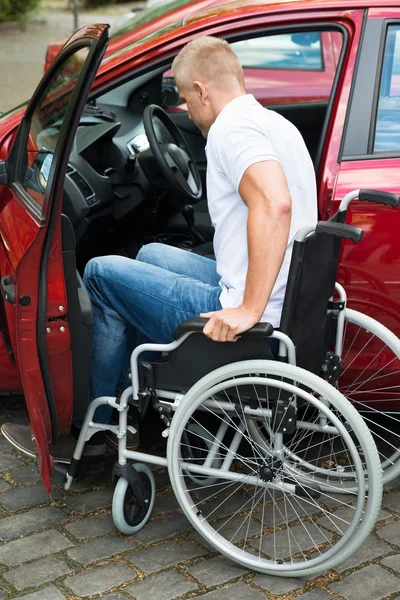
(271, 458)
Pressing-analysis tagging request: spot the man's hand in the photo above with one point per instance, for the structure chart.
(226, 325)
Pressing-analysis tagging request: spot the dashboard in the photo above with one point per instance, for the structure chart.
(105, 176)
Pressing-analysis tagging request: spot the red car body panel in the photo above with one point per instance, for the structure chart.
(372, 268)
(373, 262)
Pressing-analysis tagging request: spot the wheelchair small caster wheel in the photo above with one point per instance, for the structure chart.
(129, 518)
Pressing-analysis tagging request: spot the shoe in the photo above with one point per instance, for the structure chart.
(132, 439)
(62, 449)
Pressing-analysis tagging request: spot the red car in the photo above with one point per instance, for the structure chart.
(269, 63)
(77, 178)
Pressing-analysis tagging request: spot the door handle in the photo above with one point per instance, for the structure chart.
(8, 290)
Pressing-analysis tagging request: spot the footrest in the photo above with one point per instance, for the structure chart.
(59, 472)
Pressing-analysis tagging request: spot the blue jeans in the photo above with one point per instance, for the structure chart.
(142, 300)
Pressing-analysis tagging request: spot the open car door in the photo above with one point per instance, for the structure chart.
(34, 302)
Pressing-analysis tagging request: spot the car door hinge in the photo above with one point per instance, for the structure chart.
(3, 173)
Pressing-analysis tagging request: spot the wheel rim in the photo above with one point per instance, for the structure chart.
(370, 379)
(133, 514)
(304, 530)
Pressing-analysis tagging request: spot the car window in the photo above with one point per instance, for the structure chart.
(300, 51)
(284, 68)
(387, 133)
(46, 125)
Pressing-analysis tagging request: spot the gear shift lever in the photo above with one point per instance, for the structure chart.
(188, 215)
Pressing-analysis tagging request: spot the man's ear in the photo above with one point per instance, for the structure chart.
(201, 90)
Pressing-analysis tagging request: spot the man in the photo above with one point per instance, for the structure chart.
(261, 190)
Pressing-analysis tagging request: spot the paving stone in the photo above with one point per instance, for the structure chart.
(395, 483)
(35, 520)
(238, 528)
(8, 462)
(163, 528)
(216, 571)
(4, 444)
(339, 521)
(315, 595)
(392, 501)
(36, 573)
(28, 496)
(34, 546)
(161, 477)
(103, 547)
(284, 512)
(390, 533)
(28, 474)
(165, 586)
(91, 526)
(368, 551)
(224, 505)
(393, 562)
(86, 503)
(376, 580)
(236, 590)
(48, 593)
(4, 486)
(339, 500)
(196, 537)
(278, 585)
(165, 503)
(302, 537)
(100, 579)
(114, 596)
(165, 555)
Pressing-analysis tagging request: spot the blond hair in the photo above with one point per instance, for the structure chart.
(210, 60)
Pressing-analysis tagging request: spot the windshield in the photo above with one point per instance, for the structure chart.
(142, 17)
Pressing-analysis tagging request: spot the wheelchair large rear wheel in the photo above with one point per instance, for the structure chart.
(272, 505)
(370, 379)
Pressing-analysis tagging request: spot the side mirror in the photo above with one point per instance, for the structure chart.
(169, 93)
(37, 176)
(305, 38)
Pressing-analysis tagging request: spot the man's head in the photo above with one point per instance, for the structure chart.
(208, 75)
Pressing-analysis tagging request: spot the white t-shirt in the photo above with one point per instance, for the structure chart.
(245, 133)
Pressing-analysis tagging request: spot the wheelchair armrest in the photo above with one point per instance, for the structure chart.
(196, 325)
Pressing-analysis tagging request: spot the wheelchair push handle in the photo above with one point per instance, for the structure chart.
(340, 230)
(370, 196)
(380, 197)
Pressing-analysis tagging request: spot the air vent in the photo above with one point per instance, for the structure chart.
(83, 187)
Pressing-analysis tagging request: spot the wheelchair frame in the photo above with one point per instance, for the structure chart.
(170, 402)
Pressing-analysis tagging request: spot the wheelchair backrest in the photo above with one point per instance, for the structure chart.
(311, 283)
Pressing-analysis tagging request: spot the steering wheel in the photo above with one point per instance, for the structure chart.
(172, 155)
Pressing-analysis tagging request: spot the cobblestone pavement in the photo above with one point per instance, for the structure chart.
(70, 549)
(22, 53)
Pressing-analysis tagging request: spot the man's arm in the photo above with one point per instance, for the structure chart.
(265, 192)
